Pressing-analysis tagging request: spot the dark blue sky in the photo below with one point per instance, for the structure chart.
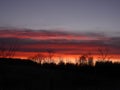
(82, 15)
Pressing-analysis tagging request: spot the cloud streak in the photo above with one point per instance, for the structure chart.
(59, 41)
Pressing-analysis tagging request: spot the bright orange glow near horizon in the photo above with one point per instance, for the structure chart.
(68, 46)
(57, 57)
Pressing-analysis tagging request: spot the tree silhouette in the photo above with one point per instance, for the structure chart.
(82, 60)
(50, 55)
(90, 61)
(8, 50)
(60, 59)
(104, 53)
(39, 58)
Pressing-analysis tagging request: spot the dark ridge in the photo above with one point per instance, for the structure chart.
(17, 74)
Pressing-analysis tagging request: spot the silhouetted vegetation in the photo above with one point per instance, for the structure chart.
(8, 50)
(16, 74)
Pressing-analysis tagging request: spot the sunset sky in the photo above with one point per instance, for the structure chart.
(63, 44)
(68, 27)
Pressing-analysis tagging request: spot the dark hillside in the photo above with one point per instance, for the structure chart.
(19, 74)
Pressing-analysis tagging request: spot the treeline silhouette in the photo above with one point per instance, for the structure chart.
(17, 74)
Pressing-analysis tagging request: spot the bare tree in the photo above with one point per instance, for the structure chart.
(39, 58)
(8, 48)
(86, 59)
(50, 55)
(83, 60)
(104, 54)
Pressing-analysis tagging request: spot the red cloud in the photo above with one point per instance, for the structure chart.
(32, 42)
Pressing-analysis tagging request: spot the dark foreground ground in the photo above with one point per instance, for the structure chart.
(27, 75)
